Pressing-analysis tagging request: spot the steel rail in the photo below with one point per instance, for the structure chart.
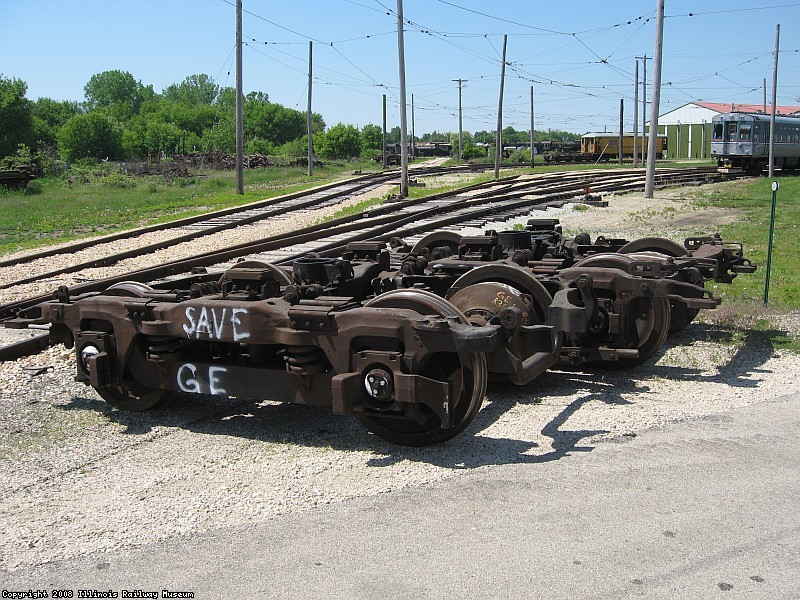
(285, 204)
(379, 177)
(382, 226)
(107, 261)
(129, 233)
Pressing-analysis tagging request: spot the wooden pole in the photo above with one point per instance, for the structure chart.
(403, 117)
(621, 115)
(644, 60)
(652, 148)
(774, 102)
(460, 126)
(498, 146)
(308, 115)
(413, 132)
(636, 115)
(533, 130)
(384, 131)
(239, 104)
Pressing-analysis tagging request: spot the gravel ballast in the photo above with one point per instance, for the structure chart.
(80, 477)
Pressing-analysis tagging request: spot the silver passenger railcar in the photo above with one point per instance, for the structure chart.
(740, 142)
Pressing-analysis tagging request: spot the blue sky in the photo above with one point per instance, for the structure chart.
(578, 55)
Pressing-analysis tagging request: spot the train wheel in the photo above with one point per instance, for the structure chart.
(465, 372)
(647, 328)
(438, 239)
(654, 244)
(681, 315)
(282, 276)
(519, 279)
(133, 289)
(135, 397)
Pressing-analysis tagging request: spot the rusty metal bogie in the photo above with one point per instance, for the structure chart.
(403, 338)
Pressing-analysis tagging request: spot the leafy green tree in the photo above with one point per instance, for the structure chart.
(110, 87)
(23, 156)
(15, 115)
(194, 90)
(260, 97)
(188, 118)
(317, 123)
(226, 99)
(92, 135)
(49, 116)
(133, 142)
(273, 122)
(161, 137)
(259, 146)
(469, 149)
(117, 93)
(372, 136)
(221, 137)
(558, 134)
(483, 137)
(436, 136)
(341, 141)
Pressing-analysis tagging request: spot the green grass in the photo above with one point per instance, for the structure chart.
(62, 211)
(753, 201)
(354, 209)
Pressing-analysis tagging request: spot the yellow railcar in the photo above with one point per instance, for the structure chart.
(604, 145)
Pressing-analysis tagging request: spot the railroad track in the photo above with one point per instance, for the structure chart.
(410, 219)
(285, 208)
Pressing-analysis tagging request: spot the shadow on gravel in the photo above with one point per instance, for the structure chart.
(754, 348)
(279, 424)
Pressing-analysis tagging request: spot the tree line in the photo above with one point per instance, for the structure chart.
(123, 119)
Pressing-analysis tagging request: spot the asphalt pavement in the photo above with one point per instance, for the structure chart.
(707, 508)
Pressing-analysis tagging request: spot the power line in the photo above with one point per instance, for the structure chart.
(733, 10)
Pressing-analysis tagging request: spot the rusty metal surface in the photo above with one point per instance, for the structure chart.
(406, 339)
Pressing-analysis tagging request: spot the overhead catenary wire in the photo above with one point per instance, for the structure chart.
(601, 50)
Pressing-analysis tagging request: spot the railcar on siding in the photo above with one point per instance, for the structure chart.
(606, 145)
(740, 142)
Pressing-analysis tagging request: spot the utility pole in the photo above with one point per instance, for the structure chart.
(644, 60)
(644, 107)
(636, 115)
(774, 102)
(384, 131)
(704, 136)
(403, 119)
(533, 130)
(239, 104)
(498, 146)
(765, 95)
(308, 114)
(413, 134)
(621, 115)
(652, 148)
(460, 124)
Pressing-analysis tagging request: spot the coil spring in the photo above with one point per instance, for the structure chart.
(196, 290)
(164, 347)
(305, 360)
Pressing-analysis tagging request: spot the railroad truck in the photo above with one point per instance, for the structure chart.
(404, 337)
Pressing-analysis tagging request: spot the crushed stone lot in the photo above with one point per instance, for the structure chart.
(80, 477)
